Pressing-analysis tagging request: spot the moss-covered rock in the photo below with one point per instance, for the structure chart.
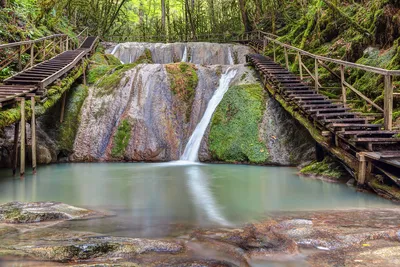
(234, 134)
(121, 139)
(183, 82)
(69, 127)
(328, 168)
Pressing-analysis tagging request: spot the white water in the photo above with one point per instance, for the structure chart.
(193, 146)
(231, 61)
(185, 58)
(115, 49)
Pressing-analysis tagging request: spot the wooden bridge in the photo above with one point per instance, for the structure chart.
(364, 147)
(31, 82)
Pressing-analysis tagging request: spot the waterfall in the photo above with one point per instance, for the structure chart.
(231, 61)
(193, 146)
(115, 49)
(185, 58)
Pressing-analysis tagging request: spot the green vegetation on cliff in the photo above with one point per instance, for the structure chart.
(234, 128)
(109, 76)
(328, 168)
(121, 139)
(68, 129)
(183, 82)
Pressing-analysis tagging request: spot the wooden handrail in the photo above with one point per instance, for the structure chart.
(337, 61)
(2, 46)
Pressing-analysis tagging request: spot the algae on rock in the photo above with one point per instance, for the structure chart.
(235, 126)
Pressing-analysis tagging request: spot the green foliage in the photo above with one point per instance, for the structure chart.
(121, 139)
(327, 168)
(183, 82)
(234, 128)
(68, 129)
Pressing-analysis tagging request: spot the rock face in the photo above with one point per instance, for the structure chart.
(197, 53)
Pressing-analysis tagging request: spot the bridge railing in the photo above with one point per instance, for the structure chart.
(321, 61)
(26, 54)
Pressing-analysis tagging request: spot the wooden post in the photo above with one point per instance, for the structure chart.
(274, 52)
(316, 75)
(388, 103)
(44, 50)
(264, 45)
(32, 53)
(64, 96)
(344, 89)
(84, 71)
(362, 169)
(61, 44)
(33, 134)
(67, 43)
(15, 152)
(19, 66)
(286, 58)
(300, 65)
(23, 126)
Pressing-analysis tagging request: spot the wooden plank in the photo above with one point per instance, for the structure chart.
(23, 127)
(33, 133)
(388, 103)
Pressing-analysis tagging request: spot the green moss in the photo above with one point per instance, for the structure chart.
(234, 128)
(121, 139)
(108, 83)
(68, 129)
(385, 190)
(328, 168)
(183, 82)
(12, 115)
(15, 215)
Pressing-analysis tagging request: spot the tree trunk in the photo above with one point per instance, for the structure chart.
(245, 17)
(3, 3)
(163, 17)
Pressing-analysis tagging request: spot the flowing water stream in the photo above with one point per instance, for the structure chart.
(192, 148)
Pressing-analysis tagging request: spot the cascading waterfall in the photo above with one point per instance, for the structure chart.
(193, 146)
(185, 57)
(231, 61)
(115, 49)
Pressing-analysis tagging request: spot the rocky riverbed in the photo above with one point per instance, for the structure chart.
(321, 238)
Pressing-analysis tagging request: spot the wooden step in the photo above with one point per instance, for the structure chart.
(322, 106)
(344, 120)
(367, 133)
(334, 115)
(375, 140)
(354, 125)
(328, 110)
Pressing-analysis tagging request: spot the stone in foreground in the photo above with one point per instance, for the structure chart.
(18, 212)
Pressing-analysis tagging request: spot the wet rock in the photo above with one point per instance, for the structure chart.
(17, 212)
(351, 182)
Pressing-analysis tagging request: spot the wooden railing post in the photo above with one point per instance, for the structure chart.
(388, 103)
(274, 52)
(23, 131)
(44, 50)
(32, 54)
(67, 44)
(300, 65)
(33, 134)
(316, 75)
(286, 58)
(20, 58)
(342, 81)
